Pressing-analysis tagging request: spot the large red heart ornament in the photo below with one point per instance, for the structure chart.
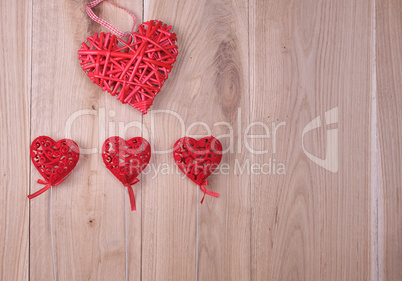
(198, 159)
(126, 160)
(53, 160)
(134, 71)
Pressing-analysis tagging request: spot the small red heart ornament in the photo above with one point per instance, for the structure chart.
(198, 159)
(53, 160)
(134, 71)
(126, 160)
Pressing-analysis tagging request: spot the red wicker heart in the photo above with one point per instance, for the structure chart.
(133, 71)
(53, 160)
(126, 160)
(198, 159)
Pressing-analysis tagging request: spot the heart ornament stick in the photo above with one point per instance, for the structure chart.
(197, 159)
(126, 160)
(54, 160)
(133, 71)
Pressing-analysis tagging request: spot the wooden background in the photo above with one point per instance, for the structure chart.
(239, 62)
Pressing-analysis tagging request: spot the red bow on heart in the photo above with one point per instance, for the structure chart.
(126, 160)
(53, 160)
(198, 159)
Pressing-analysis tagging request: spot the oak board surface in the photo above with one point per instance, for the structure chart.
(305, 97)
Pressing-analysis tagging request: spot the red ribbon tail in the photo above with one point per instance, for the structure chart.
(132, 198)
(131, 194)
(39, 192)
(211, 193)
(203, 197)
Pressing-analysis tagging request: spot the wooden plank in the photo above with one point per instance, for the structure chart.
(15, 82)
(88, 210)
(169, 200)
(389, 102)
(308, 57)
(305, 57)
(222, 103)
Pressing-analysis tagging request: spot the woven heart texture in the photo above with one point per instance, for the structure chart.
(197, 159)
(133, 71)
(54, 160)
(126, 160)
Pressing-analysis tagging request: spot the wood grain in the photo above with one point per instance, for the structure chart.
(88, 213)
(306, 58)
(224, 223)
(389, 85)
(15, 73)
(169, 199)
(262, 68)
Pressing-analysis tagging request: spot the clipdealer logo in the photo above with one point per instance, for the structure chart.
(330, 162)
(235, 138)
